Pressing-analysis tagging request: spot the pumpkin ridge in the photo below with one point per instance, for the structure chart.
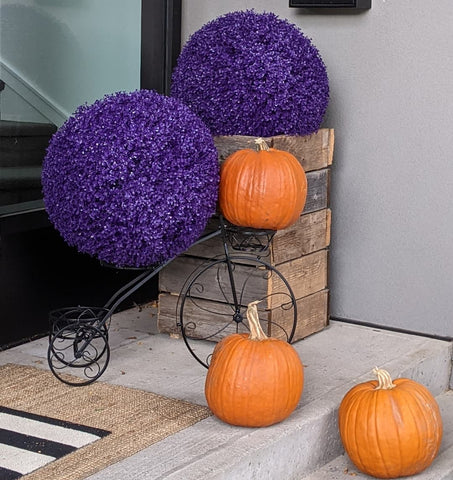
(276, 208)
(297, 194)
(248, 400)
(248, 192)
(386, 394)
(396, 416)
(238, 191)
(283, 352)
(356, 435)
(415, 420)
(294, 382)
(350, 410)
(275, 393)
(297, 204)
(231, 343)
(369, 434)
(239, 400)
(376, 433)
(424, 398)
(229, 207)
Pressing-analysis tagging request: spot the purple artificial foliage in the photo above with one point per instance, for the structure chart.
(246, 73)
(131, 179)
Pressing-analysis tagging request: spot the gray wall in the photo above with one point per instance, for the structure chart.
(391, 79)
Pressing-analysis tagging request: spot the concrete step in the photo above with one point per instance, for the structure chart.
(20, 177)
(10, 128)
(24, 144)
(335, 359)
(342, 468)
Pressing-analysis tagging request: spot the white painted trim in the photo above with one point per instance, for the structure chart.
(45, 106)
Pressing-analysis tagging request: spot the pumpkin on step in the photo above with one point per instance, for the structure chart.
(253, 380)
(390, 429)
(264, 189)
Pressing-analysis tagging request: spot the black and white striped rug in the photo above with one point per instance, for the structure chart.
(29, 441)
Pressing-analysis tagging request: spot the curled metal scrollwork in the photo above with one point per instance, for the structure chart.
(221, 309)
(248, 240)
(79, 351)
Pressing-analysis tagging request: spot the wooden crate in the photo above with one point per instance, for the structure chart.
(312, 316)
(299, 253)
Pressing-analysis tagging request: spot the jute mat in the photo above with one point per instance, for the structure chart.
(136, 418)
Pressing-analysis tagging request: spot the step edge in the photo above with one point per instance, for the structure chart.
(12, 128)
(438, 470)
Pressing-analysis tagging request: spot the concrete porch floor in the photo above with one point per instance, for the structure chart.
(306, 445)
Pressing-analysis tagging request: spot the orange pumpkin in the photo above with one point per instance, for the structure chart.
(264, 189)
(253, 380)
(390, 429)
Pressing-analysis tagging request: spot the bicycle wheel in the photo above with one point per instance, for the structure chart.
(213, 303)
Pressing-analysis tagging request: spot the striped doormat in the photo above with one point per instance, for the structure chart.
(29, 441)
(49, 430)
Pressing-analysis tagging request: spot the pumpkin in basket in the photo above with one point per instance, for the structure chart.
(390, 429)
(253, 380)
(263, 189)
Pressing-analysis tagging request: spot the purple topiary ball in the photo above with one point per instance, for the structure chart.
(247, 73)
(131, 179)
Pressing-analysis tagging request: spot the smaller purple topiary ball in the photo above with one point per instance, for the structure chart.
(131, 179)
(247, 73)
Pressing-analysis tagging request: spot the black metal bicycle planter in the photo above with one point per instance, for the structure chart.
(78, 338)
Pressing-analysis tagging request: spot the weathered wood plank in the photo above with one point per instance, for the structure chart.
(317, 190)
(305, 275)
(313, 151)
(328, 226)
(306, 236)
(330, 146)
(203, 319)
(212, 321)
(312, 316)
(213, 283)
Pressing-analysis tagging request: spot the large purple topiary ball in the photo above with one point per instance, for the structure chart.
(131, 179)
(247, 73)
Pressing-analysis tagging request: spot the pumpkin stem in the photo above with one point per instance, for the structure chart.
(262, 145)
(384, 379)
(256, 331)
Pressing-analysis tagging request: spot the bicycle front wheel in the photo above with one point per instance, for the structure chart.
(214, 300)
